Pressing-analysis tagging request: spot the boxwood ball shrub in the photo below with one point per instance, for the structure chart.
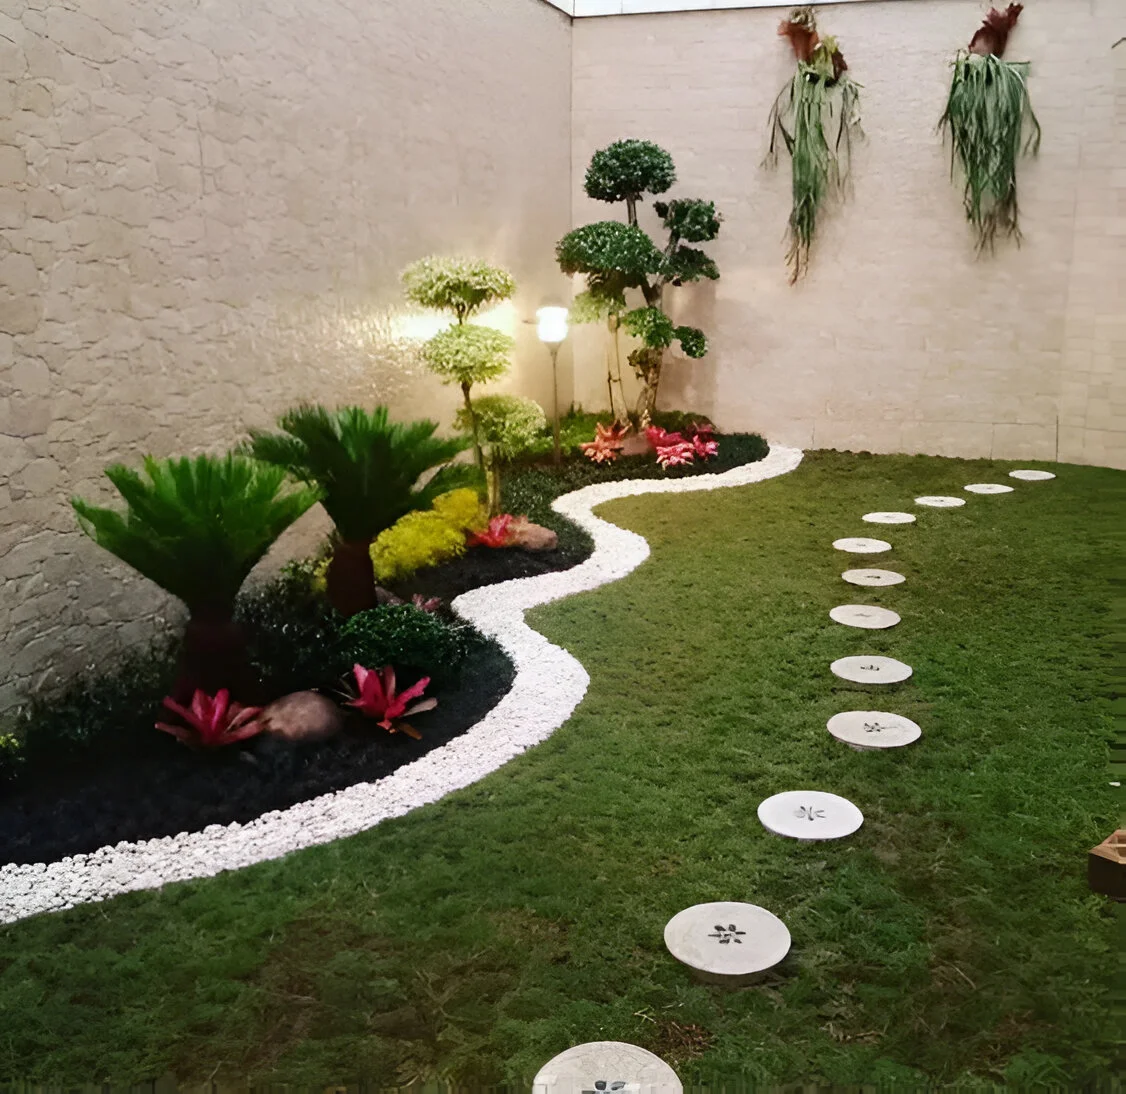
(508, 426)
(406, 637)
(422, 540)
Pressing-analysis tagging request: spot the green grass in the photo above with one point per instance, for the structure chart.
(951, 940)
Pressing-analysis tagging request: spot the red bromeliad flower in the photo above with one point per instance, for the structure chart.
(704, 446)
(498, 533)
(426, 604)
(659, 439)
(672, 455)
(378, 699)
(212, 722)
(607, 443)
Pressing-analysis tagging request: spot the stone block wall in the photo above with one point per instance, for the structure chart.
(204, 207)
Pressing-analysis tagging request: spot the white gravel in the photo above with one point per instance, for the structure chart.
(548, 686)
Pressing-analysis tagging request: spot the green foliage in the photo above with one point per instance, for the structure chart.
(591, 307)
(468, 354)
(424, 539)
(689, 264)
(628, 169)
(987, 115)
(463, 509)
(692, 340)
(405, 637)
(459, 285)
(651, 325)
(196, 527)
(508, 423)
(609, 248)
(366, 466)
(690, 218)
(12, 757)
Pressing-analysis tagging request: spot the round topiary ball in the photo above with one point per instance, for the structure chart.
(628, 169)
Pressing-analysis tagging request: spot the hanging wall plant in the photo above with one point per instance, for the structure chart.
(816, 117)
(991, 125)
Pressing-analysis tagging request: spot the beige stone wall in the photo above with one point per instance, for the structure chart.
(203, 210)
(900, 338)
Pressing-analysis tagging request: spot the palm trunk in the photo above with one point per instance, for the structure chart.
(215, 656)
(350, 578)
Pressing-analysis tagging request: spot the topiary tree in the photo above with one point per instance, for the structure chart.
(465, 354)
(619, 259)
(509, 424)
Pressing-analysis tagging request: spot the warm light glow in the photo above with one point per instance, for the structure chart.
(419, 326)
(551, 325)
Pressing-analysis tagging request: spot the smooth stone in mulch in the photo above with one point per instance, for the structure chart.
(1031, 476)
(866, 616)
(871, 670)
(873, 577)
(606, 1067)
(889, 518)
(727, 942)
(302, 717)
(865, 730)
(938, 501)
(988, 488)
(809, 815)
(861, 545)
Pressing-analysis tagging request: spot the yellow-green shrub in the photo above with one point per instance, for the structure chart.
(429, 538)
(463, 509)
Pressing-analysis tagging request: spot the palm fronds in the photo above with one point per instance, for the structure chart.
(195, 527)
(988, 115)
(366, 466)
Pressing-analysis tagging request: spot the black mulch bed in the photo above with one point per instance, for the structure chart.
(172, 789)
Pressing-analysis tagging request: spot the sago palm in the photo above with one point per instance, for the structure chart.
(197, 527)
(368, 470)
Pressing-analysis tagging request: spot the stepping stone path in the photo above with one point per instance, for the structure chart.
(1031, 476)
(988, 488)
(866, 616)
(937, 501)
(860, 545)
(873, 577)
(889, 518)
(727, 942)
(865, 730)
(606, 1067)
(809, 815)
(871, 670)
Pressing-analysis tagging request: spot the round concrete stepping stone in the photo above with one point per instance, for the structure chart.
(727, 942)
(988, 488)
(865, 730)
(871, 670)
(809, 815)
(889, 518)
(938, 501)
(861, 545)
(1031, 476)
(866, 616)
(606, 1067)
(873, 577)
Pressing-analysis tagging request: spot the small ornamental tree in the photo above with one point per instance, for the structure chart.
(508, 424)
(619, 259)
(466, 353)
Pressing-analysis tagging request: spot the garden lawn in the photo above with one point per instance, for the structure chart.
(953, 938)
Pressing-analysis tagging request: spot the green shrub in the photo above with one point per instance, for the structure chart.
(12, 757)
(406, 637)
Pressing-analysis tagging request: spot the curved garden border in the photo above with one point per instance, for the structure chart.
(549, 684)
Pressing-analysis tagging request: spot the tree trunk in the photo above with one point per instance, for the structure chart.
(215, 656)
(492, 475)
(465, 388)
(350, 578)
(647, 364)
(619, 409)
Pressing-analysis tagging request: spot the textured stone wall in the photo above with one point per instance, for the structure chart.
(204, 206)
(900, 338)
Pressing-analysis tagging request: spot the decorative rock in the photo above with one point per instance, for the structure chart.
(861, 545)
(873, 577)
(871, 670)
(727, 942)
(889, 518)
(988, 488)
(1031, 476)
(937, 501)
(636, 444)
(866, 616)
(302, 717)
(809, 815)
(606, 1067)
(532, 537)
(865, 730)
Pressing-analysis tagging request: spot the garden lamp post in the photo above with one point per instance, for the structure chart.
(551, 326)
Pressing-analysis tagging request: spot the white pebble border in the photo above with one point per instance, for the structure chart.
(549, 684)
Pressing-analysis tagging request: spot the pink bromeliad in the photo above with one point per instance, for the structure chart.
(212, 721)
(378, 699)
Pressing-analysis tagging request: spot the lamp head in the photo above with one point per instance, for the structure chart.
(551, 324)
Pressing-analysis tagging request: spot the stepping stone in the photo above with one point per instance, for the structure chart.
(865, 730)
(871, 670)
(809, 815)
(1031, 476)
(606, 1067)
(727, 942)
(988, 488)
(937, 501)
(873, 577)
(860, 545)
(866, 616)
(889, 518)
